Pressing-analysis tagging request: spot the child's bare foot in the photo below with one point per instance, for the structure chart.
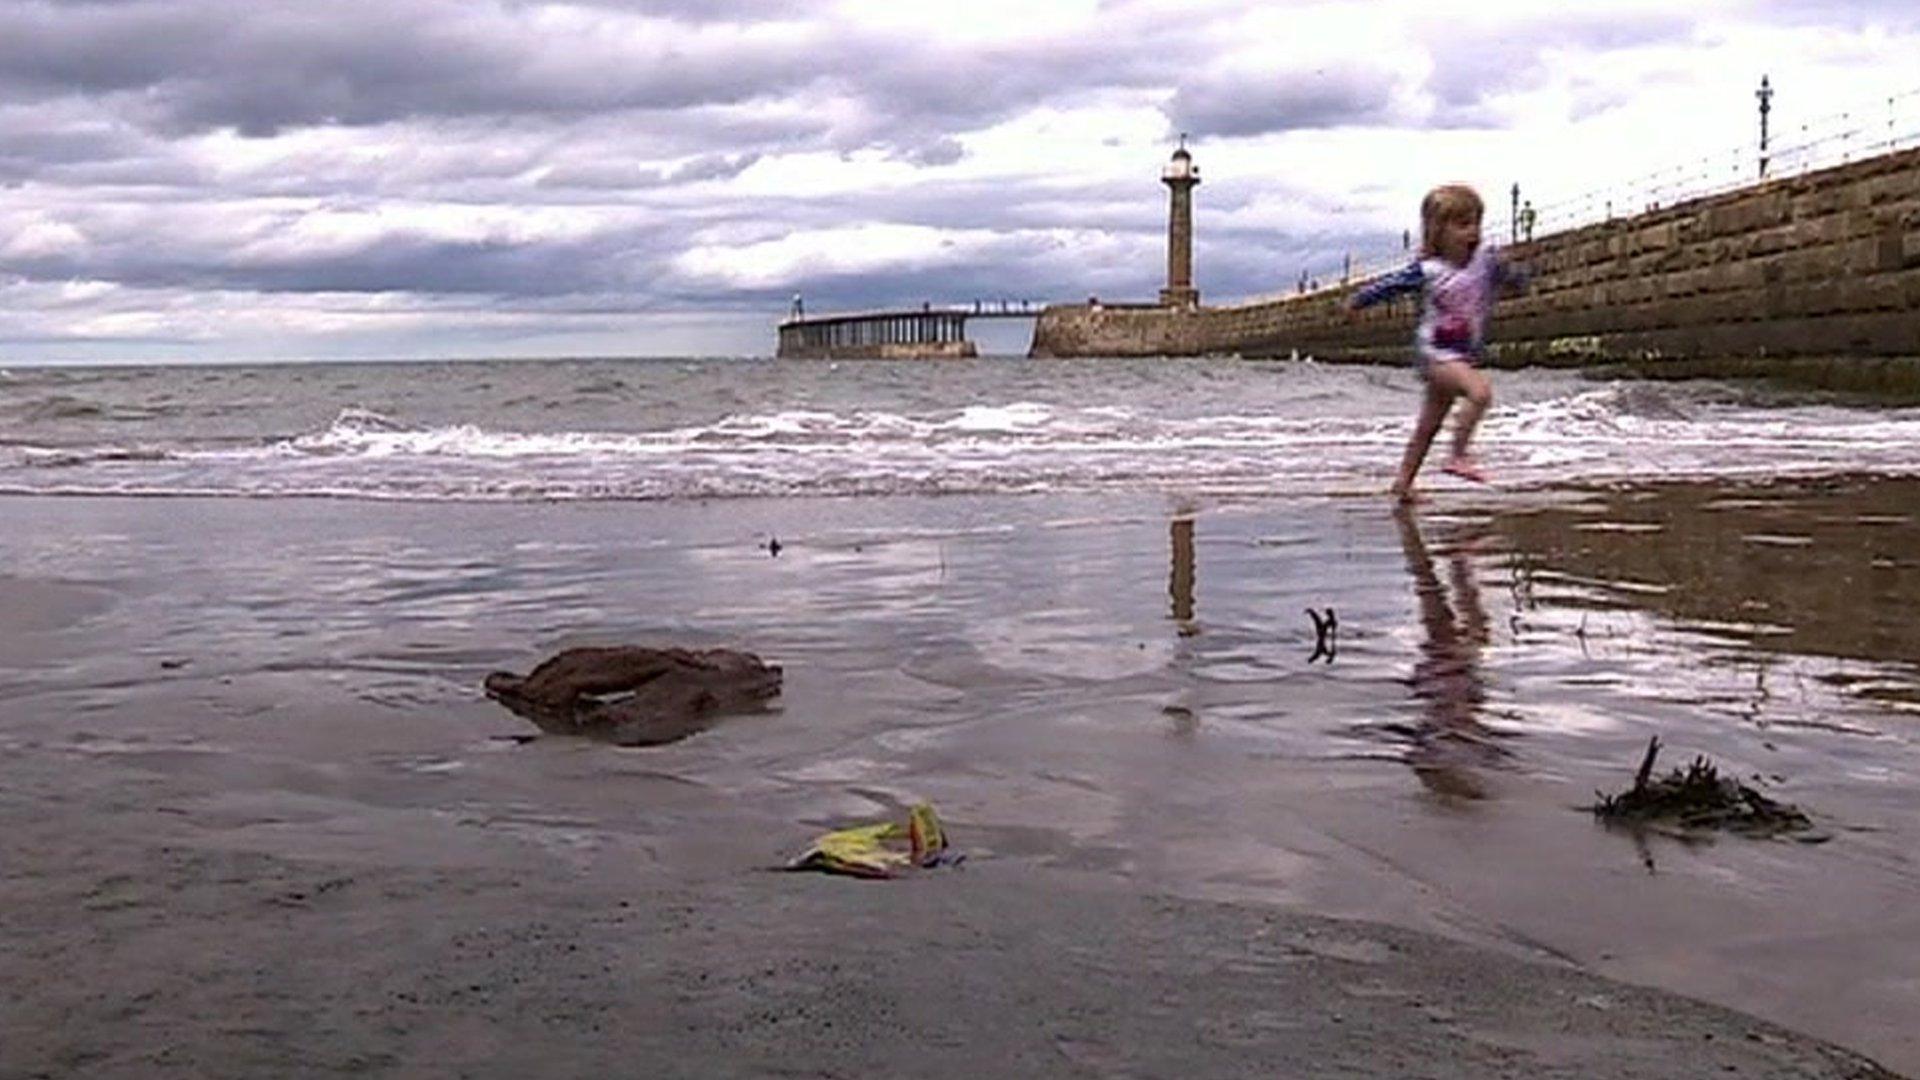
(1465, 468)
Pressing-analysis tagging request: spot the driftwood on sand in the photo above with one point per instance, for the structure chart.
(1696, 799)
(636, 696)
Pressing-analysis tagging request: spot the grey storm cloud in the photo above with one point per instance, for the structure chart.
(400, 264)
(190, 65)
(273, 64)
(942, 151)
(1477, 61)
(710, 167)
(695, 11)
(70, 145)
(31, 152)
(1106, 206)
(627, 176)
(1253, 103)
(1854, 14)
(394, 263)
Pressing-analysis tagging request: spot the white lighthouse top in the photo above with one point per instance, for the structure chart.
(1181, 167)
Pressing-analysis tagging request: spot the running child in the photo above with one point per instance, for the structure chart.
(1457, 277)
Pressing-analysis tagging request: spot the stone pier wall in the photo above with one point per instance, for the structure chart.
(1821, 265)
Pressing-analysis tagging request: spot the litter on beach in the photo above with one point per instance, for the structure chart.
(882, 849)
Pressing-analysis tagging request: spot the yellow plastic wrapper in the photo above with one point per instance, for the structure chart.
(883, 849)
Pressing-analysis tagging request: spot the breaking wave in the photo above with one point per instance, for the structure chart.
(1343, 438)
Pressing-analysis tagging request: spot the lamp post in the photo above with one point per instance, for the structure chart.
(1765, 94)
(1513, 216)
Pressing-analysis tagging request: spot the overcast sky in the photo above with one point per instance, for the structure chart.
(257, 179)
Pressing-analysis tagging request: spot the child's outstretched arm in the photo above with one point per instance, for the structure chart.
(1407, 279)
(1511, 278)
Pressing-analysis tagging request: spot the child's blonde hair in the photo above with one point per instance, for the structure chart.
(1443, 206)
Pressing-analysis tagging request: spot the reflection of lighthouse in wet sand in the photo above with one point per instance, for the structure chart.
(1180, 176)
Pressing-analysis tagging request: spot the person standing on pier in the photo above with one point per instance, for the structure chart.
(1457, 277)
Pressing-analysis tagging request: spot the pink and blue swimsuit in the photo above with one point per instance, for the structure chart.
(1455, 302)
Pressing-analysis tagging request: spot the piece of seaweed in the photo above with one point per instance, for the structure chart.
(1697, 798)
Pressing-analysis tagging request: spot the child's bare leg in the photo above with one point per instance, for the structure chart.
(1469, 383)
(1433, 412)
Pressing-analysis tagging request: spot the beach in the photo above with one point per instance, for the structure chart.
(260, 819)
(733, 540)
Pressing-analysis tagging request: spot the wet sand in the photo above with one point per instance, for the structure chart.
(258, 818)
(173, 959)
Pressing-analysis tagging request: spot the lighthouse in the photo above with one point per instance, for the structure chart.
(1180, 176)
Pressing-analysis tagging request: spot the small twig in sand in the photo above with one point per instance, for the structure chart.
(1326, 635)
(1646, 764)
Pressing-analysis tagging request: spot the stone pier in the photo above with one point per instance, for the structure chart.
(1823, 265)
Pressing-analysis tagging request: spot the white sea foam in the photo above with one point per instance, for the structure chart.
(1018, 416)
(1331, 431)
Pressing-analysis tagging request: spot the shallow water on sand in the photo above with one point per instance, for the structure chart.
(1126, 685)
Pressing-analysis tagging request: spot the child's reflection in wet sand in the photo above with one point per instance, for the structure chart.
(1449, 743)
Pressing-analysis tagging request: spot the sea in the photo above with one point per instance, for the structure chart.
(663, 429)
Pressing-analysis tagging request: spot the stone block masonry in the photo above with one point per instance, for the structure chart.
(1821, 265)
